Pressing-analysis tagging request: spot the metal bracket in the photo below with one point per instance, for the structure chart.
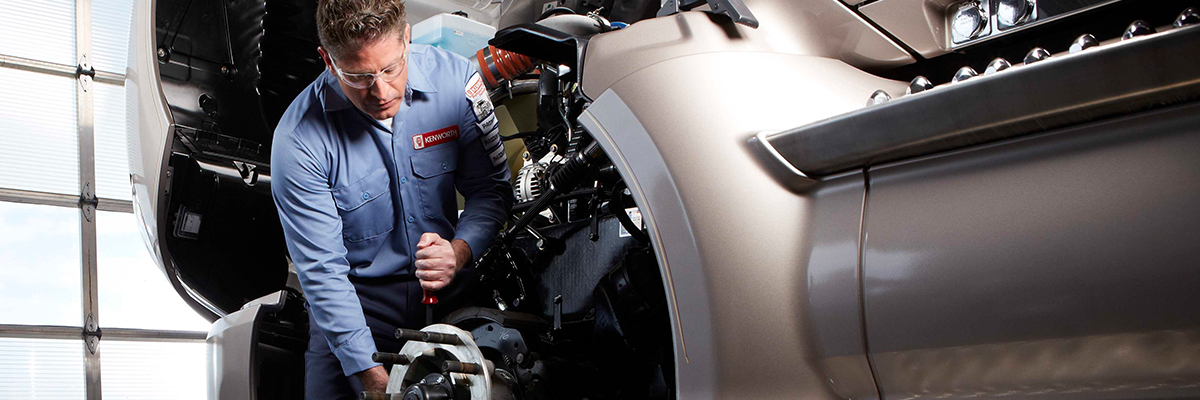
(92, 334)
(735, 9)
(85, 72)
(88, 202)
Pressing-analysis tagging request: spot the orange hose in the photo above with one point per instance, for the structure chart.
(498, 65)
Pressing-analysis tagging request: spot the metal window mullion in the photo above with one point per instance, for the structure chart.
(117, 334)
(53, 68)
(40, 332)
(61, 200)
(87, 192)
(153, 335)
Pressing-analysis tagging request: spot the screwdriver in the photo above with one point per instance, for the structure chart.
(429, 299)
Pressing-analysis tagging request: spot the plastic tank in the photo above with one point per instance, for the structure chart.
(457, 34)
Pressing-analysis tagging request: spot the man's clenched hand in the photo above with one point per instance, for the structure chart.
(438, 260)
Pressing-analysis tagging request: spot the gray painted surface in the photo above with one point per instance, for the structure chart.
(824, 28)
(1059, 266)
(735, 242)
(629, 147)
(833, 286)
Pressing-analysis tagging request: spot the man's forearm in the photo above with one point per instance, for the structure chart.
(462, 253)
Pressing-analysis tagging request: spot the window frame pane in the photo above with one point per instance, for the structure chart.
(40, 283)
(36, 29)
(40, 133)
(52, 368)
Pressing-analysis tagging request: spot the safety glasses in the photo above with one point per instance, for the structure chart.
(366, 80)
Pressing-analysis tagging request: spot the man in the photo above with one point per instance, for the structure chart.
(365, 164)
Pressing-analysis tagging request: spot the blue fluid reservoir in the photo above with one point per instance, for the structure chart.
(457, 34)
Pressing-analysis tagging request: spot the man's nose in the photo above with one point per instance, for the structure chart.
(380, 89)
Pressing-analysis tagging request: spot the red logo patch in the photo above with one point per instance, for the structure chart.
(429, 139)
(475, 87)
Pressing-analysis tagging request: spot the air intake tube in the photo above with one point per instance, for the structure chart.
(497, 65)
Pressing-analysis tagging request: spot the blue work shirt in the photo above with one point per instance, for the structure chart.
(355, 196)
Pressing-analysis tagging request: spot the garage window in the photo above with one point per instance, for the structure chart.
(87, 311)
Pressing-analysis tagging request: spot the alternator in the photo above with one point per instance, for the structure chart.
(531, 182)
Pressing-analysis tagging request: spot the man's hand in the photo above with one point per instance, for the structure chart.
(438, 260)
(374, 379)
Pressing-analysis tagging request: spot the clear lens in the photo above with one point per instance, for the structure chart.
(359, 81)
(363, 81)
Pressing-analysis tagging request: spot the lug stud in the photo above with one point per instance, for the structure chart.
(879, 97)
(963, 74)
(1137, 28)
(1189, 16)
(1083, 42)
(918, 85)
(997, 65)
(1035, 55)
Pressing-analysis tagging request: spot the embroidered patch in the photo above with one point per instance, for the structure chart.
(498, 157)
(429, 139)
(475, 88)
(483, 107)
(489, 124)
(491, 139)
(477, 97)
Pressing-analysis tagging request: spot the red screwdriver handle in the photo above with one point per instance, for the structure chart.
(429, 298)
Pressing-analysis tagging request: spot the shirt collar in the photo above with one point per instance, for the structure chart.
(332, 98)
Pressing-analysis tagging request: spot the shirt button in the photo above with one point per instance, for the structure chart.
(403, 179)
(443, 166)
(411, 219)
(365, 195)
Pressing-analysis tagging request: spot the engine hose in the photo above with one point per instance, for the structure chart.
(564, 178)
(569, 174)
(497, 65)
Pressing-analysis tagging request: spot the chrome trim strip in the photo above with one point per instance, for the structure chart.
(1102, 82)
(761, 139)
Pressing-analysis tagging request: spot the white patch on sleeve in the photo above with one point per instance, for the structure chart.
(477, 97)
(491, 139)
(489, 124)
(498, 157)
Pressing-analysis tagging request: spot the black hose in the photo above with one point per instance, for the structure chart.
(518, 135)
(564, 178)
(617, 199)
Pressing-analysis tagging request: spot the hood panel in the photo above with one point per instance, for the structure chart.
(210, 80)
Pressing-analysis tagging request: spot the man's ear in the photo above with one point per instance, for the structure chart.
(407, 33)
(325, 57)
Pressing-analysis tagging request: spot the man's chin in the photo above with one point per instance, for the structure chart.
(385, 113)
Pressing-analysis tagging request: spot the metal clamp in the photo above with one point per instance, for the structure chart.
(92, 334)
(88, 202)
(85, 72)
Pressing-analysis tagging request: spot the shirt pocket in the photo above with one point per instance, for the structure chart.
(433, 170)
(366, 207)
